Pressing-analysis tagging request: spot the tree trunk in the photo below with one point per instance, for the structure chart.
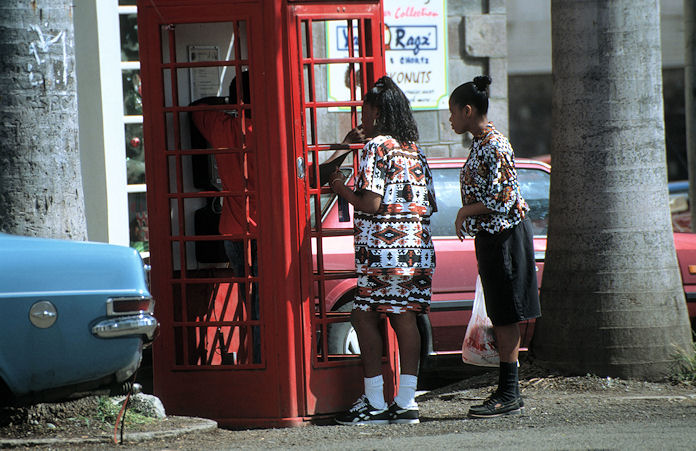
(40, 179)
(612, 299)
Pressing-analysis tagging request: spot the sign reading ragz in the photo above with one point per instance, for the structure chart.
(415, 49)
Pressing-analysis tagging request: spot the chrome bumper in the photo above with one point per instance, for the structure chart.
(142, 324)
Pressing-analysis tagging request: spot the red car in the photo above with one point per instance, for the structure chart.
(455, 276)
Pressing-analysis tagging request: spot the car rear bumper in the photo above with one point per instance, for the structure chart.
(142, 324)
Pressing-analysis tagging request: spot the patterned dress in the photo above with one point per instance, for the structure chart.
(394, 253)
(489, 176)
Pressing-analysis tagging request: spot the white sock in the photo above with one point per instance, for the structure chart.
(374, 390)
(406, 397)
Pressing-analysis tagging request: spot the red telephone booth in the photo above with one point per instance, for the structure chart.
(238, 113)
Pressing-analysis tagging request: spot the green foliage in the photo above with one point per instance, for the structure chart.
(107, 412)
(685, 360)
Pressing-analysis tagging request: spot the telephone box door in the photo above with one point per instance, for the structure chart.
(336, 52)
(213, 274)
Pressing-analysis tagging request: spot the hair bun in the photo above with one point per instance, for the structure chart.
(482, 82)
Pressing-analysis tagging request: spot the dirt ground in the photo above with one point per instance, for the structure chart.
(552, 401)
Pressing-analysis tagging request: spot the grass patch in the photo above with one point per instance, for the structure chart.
(108, 411)
(685, 362)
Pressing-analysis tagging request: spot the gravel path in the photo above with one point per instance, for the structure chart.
(561, 413)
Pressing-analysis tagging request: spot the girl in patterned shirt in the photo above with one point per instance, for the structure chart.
(394, 254)
(495, 213)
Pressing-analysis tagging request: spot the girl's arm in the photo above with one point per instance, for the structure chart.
(365, 201)
(468, 210)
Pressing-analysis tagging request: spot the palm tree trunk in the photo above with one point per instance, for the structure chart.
(40, 179)
(612, 299)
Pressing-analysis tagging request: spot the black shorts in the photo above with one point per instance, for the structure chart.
(508, 274)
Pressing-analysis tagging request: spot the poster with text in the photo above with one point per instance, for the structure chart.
(415, 39)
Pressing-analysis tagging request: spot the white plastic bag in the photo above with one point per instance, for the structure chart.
(478, 347)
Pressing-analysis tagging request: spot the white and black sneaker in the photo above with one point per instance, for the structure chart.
(362, 412)
(400, 415)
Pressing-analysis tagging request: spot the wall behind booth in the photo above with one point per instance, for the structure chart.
(476, 44)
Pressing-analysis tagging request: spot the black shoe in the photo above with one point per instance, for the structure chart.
(495, 407)
(362, 412)
(398, 415)
(496, 394)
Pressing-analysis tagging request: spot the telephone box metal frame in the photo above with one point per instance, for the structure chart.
(206, 362)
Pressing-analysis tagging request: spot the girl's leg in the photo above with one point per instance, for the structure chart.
(366, 324)
(406, 327)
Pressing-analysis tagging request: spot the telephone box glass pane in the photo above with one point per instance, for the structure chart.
(217, 84)
(334, 68)
(329, 126)
(174, 216)
(210, 147)
(171, 169)
(223, 312)
(212, 41)
(351, 90)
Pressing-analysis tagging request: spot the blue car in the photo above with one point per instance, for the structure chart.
(74, 318)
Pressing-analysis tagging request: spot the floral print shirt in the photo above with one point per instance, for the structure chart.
(489, 176)
(397, 238)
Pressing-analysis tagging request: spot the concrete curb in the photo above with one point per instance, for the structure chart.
(193, 425)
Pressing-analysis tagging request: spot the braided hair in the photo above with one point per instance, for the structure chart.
(474, 93)
(395, 117)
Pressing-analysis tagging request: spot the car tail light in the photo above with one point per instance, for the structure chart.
(692, 269)
(129, 305)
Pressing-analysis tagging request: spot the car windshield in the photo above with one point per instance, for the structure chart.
(534, 184)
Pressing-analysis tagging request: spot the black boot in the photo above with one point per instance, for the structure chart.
(509, 386)
(506, 400)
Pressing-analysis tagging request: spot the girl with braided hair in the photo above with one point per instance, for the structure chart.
(394, 254)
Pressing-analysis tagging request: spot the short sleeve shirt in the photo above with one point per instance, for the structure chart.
(397, 238)
(223, 131)
(489, 176)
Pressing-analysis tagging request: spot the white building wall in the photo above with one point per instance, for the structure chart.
(100, 104)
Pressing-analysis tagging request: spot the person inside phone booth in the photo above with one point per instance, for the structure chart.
(231, 130)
